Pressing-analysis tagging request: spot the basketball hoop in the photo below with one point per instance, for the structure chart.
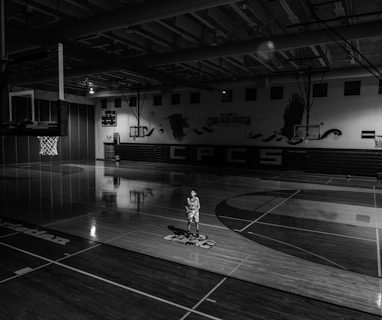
(378, 141)
(48, 145)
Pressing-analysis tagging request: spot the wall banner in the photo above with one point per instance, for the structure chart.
(229, 120)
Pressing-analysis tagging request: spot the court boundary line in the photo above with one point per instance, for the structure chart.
(301, 249)
(113, 283)
(377, 239)
(72, 218)
(10, 234)
(118, 237)
(215, 287)
(378, 254)
(47, 264)
(250, 282)
(130, 211)
(270, 210)
(205, 297)
(295, 228)
(316, 231)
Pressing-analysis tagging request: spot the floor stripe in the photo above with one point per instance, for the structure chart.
(239, 265)
(19, 275)
(232, 218)
(116, 284)
(48, 264)
(23, 270)
(204, 298)
(120, 236)
(295, 228)
(316, 231)
(378, 251)
(379, 301)
(141, 213)
(270, 210)
(73, 218)
(377, 237)
(8, 235)
(301, 249)
(182, 220)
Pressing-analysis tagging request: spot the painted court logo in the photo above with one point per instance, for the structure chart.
(34, 232)
(202, 241)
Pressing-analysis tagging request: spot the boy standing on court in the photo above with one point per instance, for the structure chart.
(192, 209)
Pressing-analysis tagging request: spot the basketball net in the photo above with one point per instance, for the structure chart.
(48, 145)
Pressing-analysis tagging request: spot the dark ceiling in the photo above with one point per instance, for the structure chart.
(203, 44)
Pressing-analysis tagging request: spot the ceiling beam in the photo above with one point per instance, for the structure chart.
(124, 17)
(137, 14)
(284, 42)
(108, 64)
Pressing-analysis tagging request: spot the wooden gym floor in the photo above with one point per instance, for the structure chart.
(86, 241)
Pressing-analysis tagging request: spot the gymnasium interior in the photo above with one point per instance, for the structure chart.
(111, 112)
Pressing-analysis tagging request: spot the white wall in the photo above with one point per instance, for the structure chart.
(349, 114)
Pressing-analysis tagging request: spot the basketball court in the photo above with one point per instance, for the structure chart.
(80, 237)
(88, 233)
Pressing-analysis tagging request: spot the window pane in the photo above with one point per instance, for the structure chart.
(352, 88)
(22, 108)
(133, 101)
(320, 90)
(53, 108)
(157, 100)
(117, 102)
(195, 97)
(226, 96)
(175, 98)
(277, 93)
(250, 94)
(44, 110)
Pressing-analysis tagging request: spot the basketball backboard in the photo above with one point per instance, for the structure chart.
(138, 131)
(311, 132)
(34, 117)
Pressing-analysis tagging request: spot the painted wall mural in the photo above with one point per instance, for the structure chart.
(293, 115)
(339, 119)
(228, 119)
(177, 124)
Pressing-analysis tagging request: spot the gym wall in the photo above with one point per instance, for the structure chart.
(266, 122)
(79, 144)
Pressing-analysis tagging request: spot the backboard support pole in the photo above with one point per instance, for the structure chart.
(3, 67)
(60, 51)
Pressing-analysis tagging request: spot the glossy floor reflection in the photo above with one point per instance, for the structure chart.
(313, 239)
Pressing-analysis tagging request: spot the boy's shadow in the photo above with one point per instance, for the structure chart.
(177, 231)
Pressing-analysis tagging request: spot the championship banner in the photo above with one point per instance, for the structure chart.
(229, 120)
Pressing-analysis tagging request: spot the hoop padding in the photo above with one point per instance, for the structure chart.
(48, 145)
(378, 141)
